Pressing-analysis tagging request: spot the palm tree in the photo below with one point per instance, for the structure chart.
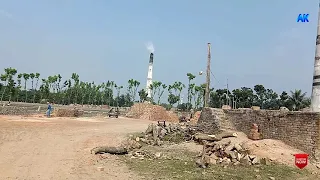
(190, 77)
(4, 78)
(37, 75)
(75, 78)
(297, 99)
(19, 86)
(118, 88)
(161, 91)
(26, 77)
(179, 86)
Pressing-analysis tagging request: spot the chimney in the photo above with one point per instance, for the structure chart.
(151, 58)
(315, 95)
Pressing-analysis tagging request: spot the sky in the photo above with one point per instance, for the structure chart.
(253, 42)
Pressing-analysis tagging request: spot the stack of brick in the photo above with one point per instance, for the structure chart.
(151, 112)
(254, 132)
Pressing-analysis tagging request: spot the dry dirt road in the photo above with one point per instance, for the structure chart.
(34, 148)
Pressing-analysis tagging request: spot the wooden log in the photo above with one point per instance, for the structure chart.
(218, 137)
(110, 150)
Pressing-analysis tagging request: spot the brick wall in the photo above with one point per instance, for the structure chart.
(13, 110)
(298, 129)
(28, 109)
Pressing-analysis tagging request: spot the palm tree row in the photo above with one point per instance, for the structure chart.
(30, 88)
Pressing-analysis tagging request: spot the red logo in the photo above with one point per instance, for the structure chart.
(301, 160)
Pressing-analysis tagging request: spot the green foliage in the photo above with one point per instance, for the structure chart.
(166, 106)
(184, 107)
(143, 95)
(16, 87)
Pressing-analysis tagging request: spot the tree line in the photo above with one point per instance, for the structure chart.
(16, 87)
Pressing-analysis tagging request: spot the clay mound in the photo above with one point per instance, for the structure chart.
(68, 113)
(195, 118)
(151, 112)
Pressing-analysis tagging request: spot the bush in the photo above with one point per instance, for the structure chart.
(185, 106)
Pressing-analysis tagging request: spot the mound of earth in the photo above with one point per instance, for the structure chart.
(151, 112)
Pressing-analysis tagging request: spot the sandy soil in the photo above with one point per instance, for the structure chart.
(59, 148)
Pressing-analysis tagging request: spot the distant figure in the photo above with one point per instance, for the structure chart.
(49, 109)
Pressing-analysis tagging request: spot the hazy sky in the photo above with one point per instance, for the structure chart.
(253, 41)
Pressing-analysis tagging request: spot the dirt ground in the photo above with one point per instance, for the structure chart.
(59, 148)
(36, 147)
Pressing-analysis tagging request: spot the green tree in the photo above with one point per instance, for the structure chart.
(179, 86)
(4, 79)
(161, 91)
(173, 96)
(37, 75)
(198, 96)
(118, 88)
(190, 88)
(143, 95)
(155, 87)
(243, 97)
(260, 96)
(26, 78)
(19, 86)
(132, 89)
(298, 100)
(9, 83)
(271, 100)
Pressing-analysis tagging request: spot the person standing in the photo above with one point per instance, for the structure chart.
(49, 109)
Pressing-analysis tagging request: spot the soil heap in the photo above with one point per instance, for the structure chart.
(151, 112)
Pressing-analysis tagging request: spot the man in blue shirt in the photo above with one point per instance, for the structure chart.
(49, 109)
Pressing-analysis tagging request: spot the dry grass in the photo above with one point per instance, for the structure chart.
(181, 165)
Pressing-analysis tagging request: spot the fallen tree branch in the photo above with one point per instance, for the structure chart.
(110, 150)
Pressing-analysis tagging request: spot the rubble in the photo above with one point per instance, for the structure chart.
(226, 153)
(144, 154)
(217, 148)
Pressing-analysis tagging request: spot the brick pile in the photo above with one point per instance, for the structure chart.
(67, 113)
(254, 132)
(195, 118)
(151, 112)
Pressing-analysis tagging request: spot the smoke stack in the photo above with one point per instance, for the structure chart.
(149, 77)
(151, 58)
(315, 95)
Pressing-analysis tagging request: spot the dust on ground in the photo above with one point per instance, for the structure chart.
(37, 147)
(59, 148)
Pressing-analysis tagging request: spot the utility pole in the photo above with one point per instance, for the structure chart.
(228, 102)
(207, 92)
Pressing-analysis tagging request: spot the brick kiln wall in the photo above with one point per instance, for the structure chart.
(29, 109)
(13, 110)
(298, 129)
